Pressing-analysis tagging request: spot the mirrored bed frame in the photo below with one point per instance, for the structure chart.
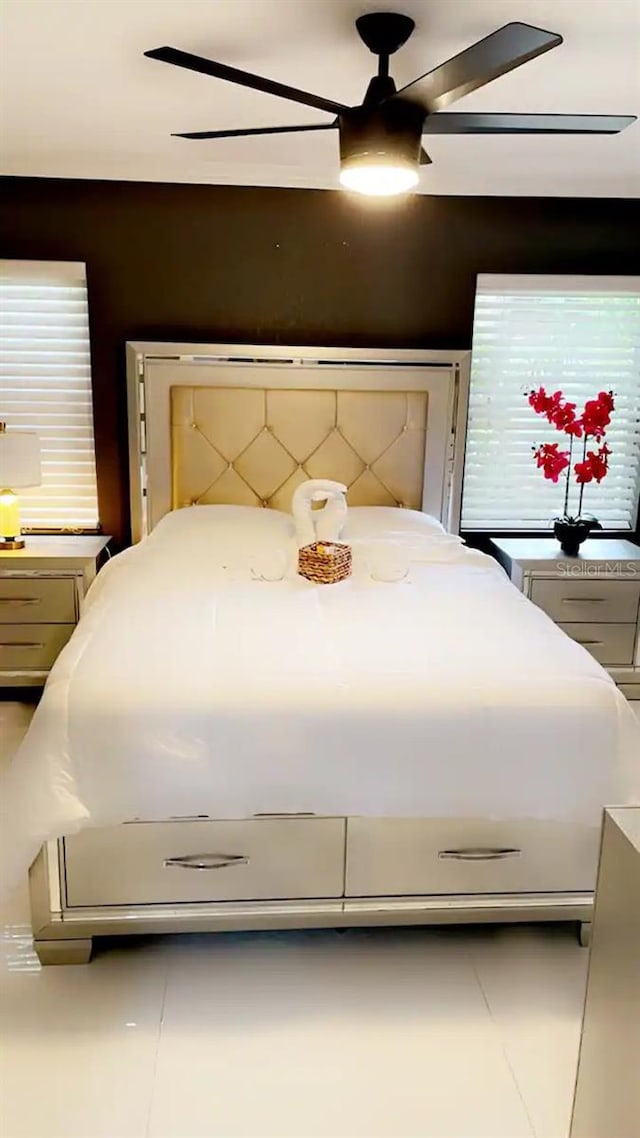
(244, 425)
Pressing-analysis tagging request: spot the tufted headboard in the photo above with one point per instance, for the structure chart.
(208, 426)
(253, 447)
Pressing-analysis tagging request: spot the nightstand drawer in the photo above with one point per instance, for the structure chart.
(609, 643)
(587, 601)
(37, 600)
(31, 647)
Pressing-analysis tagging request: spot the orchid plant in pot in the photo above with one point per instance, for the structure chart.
(586, 431)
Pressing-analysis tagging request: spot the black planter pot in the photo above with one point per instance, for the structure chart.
(571, 532)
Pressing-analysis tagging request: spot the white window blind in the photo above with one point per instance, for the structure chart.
(45, 386)
(577, 334)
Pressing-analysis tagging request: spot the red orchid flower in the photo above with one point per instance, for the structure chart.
(583, 471)
(564, 419)
(595, 465)
(551, 460)
(606, 398)
(557, 410)
(597, 414)
(540, 401)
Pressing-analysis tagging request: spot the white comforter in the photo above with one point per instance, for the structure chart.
(190, 688)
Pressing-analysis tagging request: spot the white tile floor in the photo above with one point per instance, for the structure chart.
(411, 1033)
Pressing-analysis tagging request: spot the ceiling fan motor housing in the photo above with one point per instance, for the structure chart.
(389, 134)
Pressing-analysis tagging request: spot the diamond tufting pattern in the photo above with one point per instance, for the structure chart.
(250, 446)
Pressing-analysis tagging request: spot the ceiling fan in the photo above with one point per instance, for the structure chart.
(381, 140)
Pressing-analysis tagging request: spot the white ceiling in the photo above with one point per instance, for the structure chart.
(79, 100)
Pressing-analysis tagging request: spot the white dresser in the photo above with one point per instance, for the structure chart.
(41, 589)
(593, 597)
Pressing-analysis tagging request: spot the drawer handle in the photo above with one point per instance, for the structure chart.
(20, 644)
(205, 861)
(584, 600)
(479, 853)
(590, 643)
(284, 814)
(20, 602)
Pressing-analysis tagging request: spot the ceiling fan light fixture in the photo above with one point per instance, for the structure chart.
(377, 176)
(380, 149)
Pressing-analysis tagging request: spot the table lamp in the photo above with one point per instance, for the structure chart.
(19, 467)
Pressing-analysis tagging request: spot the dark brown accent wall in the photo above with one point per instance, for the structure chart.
(227, 263)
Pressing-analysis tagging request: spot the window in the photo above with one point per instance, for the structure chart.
(579, 334)
(45, 386)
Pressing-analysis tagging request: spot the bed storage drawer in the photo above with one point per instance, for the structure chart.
(609, 643)
(404, 856)
(567, 599)
(32, 600)
(197, 861)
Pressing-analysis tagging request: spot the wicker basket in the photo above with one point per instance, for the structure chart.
(326, 563)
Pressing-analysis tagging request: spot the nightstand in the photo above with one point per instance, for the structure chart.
(41, 587)
(594, 597)
(607, 1091)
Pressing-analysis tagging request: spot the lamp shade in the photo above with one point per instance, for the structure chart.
(19, 459)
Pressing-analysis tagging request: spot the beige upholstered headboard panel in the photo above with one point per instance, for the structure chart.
(254, 446)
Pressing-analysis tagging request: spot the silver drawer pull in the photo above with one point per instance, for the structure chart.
(20, 644)
(590, 643)
(584, 600)
(284, 814)
(20, 602)
(478, 853)
(205, 861)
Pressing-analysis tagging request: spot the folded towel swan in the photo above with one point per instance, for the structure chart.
(325, 524)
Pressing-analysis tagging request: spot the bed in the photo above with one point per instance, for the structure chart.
(223, 745)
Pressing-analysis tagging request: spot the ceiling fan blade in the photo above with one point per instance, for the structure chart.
(424, 157)
(457, 123)
(256, 130)
(495, 55)
(244, 78)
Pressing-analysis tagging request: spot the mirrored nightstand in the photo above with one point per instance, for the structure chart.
(593, 597)
(41, 589)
